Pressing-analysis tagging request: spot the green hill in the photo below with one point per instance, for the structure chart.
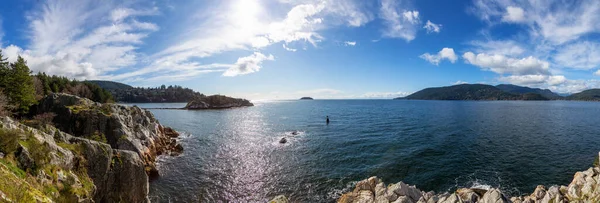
(587, 95)
(110, 85)
(514, 89)
(470, 92)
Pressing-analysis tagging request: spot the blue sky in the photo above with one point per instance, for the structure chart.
(284, 49)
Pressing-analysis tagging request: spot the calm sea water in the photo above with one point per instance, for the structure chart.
(234, 155)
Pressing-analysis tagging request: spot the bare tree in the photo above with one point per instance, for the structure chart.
(39, 88)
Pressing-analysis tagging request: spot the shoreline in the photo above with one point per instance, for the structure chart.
(584, 188)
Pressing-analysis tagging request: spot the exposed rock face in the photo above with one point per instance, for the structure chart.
(122, 127)
(279, 199)
(119, 175)
(116, 175)
(584, 188)
(217, 102)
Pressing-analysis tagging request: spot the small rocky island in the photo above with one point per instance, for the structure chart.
(216, 102)
(306, 98)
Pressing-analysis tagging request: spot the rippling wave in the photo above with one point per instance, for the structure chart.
(235, 156)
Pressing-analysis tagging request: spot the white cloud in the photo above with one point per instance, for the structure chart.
(507, 65)
(289, 49)
(76, 40)
(350, 43)
(501, 47)
(354, 13)
(557, 22)
(535, 80)
(575, 86)
(460, 82)
(583, 55)
(399, 23)
(120, 14)
(411, 16)
(384, 95)
(432, 27)
(220, 33)
(597, 73)
(445, 53)
(514, 14)
(248, 64)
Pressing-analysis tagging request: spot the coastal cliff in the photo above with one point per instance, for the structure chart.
(585, 187)
(89, 152)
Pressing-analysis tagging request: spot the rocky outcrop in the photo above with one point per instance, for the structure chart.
(279, 199)
(93, 171)
(216, 102)
(122, 127)
(584, 188)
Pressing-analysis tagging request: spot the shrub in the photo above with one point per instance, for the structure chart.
(44, 118)
(98, 137)
(9, 141)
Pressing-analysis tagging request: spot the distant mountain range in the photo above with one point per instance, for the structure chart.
(499, 92)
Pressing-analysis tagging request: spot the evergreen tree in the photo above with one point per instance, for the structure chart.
(4, 71)
(20, 91)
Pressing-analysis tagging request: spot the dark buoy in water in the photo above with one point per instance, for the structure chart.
(283, 141)
(327, 120)
(294, 132)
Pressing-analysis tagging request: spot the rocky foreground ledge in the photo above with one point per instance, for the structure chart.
(585, 188)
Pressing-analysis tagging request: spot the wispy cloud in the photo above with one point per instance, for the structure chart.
(350, 43)
(74, 39)
(399, 21)
(432, 27)
(385, 95)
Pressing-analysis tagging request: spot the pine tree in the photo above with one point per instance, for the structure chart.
(4, 71)
(20, 89)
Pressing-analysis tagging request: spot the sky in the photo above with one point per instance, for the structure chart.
(327, 49)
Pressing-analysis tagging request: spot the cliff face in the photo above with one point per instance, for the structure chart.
(122, 127)
(52, 166)
(585, 187)
(93, 153)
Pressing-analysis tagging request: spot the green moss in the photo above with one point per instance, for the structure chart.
(87, 188)
(106, 110)
(18, 189)
(98, 137)
(75, 148)
(597, 161)
(77, 108)
(116, 159)
(12, 168)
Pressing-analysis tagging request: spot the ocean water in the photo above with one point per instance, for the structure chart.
(234, 155)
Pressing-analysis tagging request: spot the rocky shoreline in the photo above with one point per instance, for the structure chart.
(584, 188)
(92, 152)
